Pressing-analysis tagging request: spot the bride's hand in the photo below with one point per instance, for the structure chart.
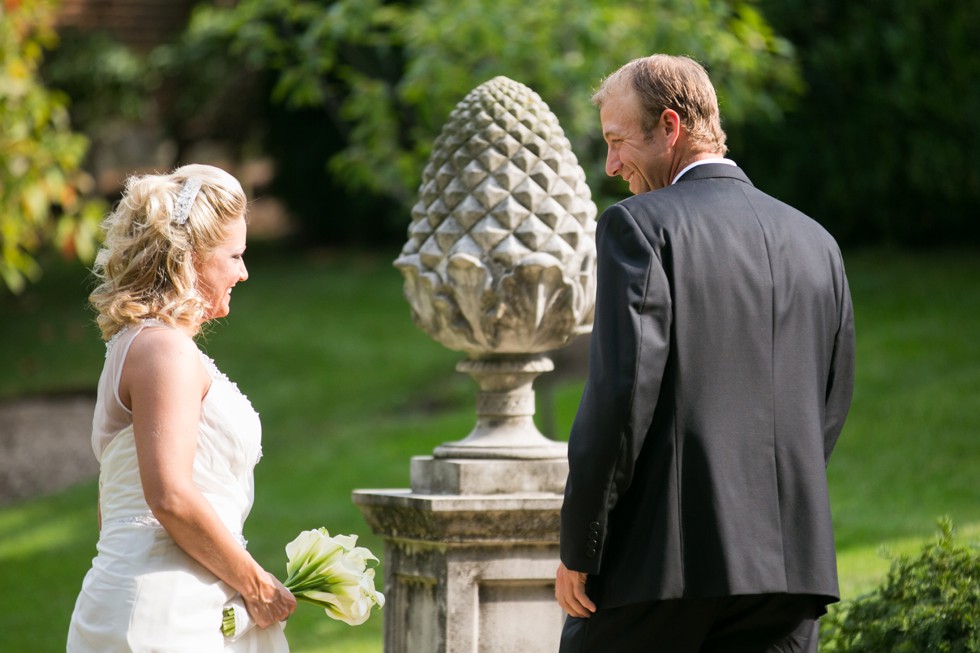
(271, 604)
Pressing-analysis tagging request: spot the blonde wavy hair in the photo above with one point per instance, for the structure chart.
(146, 267)
(663, 81)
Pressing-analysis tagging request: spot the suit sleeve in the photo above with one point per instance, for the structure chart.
(627, 357)
(840, 381)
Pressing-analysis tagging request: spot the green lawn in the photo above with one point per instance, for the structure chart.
(349, 390)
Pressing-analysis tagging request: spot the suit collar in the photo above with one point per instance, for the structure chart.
(714, 171)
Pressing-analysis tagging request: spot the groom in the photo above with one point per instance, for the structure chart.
(696, 514)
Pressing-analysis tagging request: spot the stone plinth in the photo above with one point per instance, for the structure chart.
(432, 475)
(467, 573)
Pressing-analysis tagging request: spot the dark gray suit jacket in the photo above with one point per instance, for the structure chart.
(721, 371)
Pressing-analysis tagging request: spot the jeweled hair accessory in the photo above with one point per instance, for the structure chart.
(185, 199)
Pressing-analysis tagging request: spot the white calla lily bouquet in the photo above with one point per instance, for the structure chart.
(329, 571)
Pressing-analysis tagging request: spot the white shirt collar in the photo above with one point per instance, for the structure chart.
(727, 162)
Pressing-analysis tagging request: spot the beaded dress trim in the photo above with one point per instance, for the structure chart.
(150, 521)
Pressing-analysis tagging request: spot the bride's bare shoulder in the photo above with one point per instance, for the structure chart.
(164, 353)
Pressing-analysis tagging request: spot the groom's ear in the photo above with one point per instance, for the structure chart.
(670, 126)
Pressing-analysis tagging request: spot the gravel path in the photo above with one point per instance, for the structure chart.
(45, 445)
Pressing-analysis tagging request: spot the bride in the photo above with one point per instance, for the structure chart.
(176, 440)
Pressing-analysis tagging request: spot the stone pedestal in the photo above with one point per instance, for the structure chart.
(499, 264)
(470, 556)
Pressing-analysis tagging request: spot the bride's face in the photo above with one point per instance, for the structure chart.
(224, 268)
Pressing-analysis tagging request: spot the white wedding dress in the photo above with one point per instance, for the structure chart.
(143, 593)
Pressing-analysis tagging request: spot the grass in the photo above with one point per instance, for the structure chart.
(349, 390)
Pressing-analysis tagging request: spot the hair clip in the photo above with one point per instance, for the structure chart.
(185, 199)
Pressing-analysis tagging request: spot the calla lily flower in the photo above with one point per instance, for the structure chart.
(329, 571)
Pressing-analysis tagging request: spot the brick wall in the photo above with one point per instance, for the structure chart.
(141, 24)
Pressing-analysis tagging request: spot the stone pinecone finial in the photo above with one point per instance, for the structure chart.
(500, 255)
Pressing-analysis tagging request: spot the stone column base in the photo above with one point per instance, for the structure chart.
(468, 573)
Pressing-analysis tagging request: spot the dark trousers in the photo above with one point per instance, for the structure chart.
(765, 623)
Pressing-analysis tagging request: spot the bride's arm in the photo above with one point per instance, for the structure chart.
(164, 383)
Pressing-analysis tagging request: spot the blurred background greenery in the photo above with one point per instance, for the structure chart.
(861, 114)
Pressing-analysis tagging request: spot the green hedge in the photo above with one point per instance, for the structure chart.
(927, 603)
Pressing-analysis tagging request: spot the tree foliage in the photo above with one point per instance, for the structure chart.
(105, 80)
(386, 74)
(927, 603)
(883, 146)
(41, 186)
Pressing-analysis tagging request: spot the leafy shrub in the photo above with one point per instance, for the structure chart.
(929, 603)
(42, 188)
